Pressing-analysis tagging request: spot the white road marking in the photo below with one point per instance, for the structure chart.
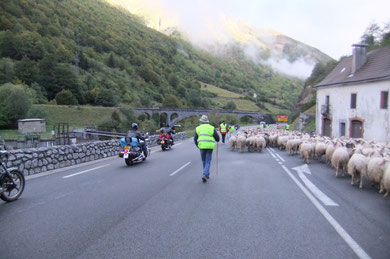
(280, 163)
(85, 171)
(178, 170)
(304, 169)
(317, 192)
(332, 221)
(272, 154)
(281, 158)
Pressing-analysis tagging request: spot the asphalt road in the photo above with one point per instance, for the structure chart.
(258, 206)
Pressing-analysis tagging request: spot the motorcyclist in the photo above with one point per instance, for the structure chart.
(134, 132)
(170, 131)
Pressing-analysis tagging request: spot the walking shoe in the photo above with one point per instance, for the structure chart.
(207, 177)
(204, 179)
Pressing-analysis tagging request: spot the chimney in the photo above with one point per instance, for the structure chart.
(359, 56)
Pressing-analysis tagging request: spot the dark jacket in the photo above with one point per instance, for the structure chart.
(136, 134)
(215, 135)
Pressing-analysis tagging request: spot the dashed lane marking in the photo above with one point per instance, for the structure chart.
(178, 170)
(85, 171)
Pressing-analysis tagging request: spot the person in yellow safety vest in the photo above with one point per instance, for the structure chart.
(223, 128)
(261, 126)
(230, 130)
(268, 126)
(287, 126)
(204, 138)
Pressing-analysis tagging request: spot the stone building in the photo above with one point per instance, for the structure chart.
(352, 100)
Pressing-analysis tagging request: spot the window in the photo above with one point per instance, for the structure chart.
(327, 100)
(342, 129)
(353, 101)
(384, 98)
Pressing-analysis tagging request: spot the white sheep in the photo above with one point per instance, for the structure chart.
(329, 152)
(293, 145)
(386, 179)
(260, 143)
(320, 149)
(307, 151)
(339, 159)
(240, 142)
(357, 165)
(282, 141)
(232, 143)
(375, 170)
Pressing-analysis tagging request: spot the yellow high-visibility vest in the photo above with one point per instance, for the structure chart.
(223, 127)
(205, 136)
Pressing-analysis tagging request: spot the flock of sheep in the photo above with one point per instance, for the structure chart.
(358, 157)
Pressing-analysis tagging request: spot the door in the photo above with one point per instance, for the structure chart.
(356, 129)
(326, 127)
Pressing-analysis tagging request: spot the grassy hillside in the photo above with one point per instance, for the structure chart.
(106, 56)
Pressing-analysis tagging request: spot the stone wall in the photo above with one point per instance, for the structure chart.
(37, 160)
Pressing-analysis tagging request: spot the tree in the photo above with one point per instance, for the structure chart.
(171, 101)
(27, 70)
(173, 80)
(14, 104)
(105, 97)
(65, 97)
(7, 70)
(230, 105)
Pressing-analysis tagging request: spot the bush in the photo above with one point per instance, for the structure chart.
(14, 104)
(37, 112)
(65, 97)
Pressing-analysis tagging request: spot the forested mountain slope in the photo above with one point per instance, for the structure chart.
(106, 56)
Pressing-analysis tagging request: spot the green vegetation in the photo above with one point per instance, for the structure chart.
(87, 52)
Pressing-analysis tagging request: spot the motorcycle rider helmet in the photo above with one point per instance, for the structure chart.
(134, 126)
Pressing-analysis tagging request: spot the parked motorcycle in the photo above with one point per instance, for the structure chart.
(11, 182)
(165, 141)
(132, 150)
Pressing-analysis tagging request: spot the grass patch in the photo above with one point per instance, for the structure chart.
(219, 91)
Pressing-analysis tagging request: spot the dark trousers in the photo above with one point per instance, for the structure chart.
(223, 137)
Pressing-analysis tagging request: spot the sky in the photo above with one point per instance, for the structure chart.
(331, 26)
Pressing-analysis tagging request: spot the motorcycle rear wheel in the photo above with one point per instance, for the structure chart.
(128, 161)
(163, 147)
(11, 192)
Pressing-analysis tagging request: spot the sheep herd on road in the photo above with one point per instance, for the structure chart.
(358, 157)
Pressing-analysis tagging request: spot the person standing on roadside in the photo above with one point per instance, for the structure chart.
(205, 138)
(223, 128)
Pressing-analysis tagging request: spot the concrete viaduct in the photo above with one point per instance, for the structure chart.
(174, 115)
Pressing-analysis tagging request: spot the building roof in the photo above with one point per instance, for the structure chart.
(377, 67)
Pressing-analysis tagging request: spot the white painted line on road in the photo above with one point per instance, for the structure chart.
(281, 158)
(317, 192)
(332, 221)
(178, 170)
(85, 171)
(272, 154)
(280, 163)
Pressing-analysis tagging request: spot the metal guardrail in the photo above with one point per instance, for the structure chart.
(105, 133)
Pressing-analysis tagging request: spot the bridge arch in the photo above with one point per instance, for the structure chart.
(174, 115)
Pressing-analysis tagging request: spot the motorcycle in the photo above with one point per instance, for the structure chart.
(132, 150)
(11, 182)
(165, 140)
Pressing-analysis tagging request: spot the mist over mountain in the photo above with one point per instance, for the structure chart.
(219, 33)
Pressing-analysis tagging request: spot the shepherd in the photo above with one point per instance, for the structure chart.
(205, 138)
